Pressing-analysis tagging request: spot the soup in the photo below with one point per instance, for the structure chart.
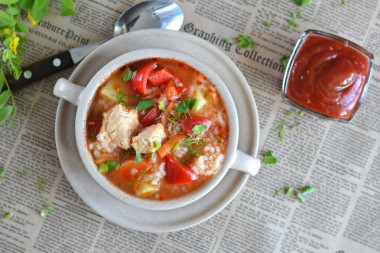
(157, 129)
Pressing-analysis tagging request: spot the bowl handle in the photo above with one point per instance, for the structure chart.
(246, 163)
(68, 91)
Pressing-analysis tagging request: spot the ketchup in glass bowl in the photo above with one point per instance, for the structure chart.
(327, 76)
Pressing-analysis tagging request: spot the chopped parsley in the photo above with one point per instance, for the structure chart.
(175, 146)
(22, 174)
(290, 114)
(343, 2)
(292, 23)
(144, 104)
(128, 74)
(108, 166)
(278, 191)
(186, 105)
(245, 41)
(195, 142)
(138, 157)
(43, 214)
(161, 106)
(266, 23)
(121, 96)
(198, 129)
(281, 129)
(284, 61)
(269, 158)
(300, 195)
(301, 113)
(41, 185)
(294, 126)
(47, 207)
(2, 173)
(218, 138)
(302, 3)
(225, 40)
(8, 216)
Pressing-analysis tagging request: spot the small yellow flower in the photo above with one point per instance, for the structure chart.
(30, 16)
(7, 31)
(14, 44)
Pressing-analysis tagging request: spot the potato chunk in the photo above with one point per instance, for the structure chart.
(143, 142)
(121, 124)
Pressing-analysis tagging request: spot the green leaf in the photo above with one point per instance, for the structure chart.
(22, 27)
(22, 174)
(43, 214)
(175, 146)
(266, 23)
(41, 185)
(306, 190)
(144, 104)
(67, 8)
(8, 216)
(2, 79)
(186, 105)
(5, 112)
(156, 145)
(292, 23)
(289, 191)
(290, 114)
(245, 41)
(270, 158)
(281, 129)
(301, 113)
(103, 168)
(48, 207)
(218, 138)
(111, 165)
(300, 198)
(37, 13)
(26, 4)
(161, 106)
(278, 191)
(302, 3)
(294, 126)
(198, 129)
(6, 18)
(12, 11)
(2, 171)
(120, 98)
(8, 1)
(40, 4)
(138, 157)
(127, 74)
(4, 97)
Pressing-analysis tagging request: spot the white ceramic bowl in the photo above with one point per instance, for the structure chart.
(82, 97)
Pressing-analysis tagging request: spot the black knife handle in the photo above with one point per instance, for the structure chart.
(41, 69)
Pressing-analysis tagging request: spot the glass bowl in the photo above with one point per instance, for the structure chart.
(320, 88)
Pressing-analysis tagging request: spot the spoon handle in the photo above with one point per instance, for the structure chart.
(41, 69)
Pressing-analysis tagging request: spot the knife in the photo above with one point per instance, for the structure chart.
(52, 65)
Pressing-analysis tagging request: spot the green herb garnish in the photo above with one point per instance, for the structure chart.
(138, 157)
(269, 158)
(22, 174)
(161, 106)
(300, 198)
(208, 98)
(343, 2)
(48, 207)
(281, 129)
(289, 191)
(218, 138)
(41, 185)
(302, 3)
(108, 166)
(175, 146)
(8, 216)
(307, 190)
(294, 126)
(225, 40)
(301, 113)
(198, 129)
(170, 126)
(292, 23)
(144, 104)
(186, 105)
(284, 61)
(2, 173)
(278, 191)
(290, 114)
(245, 41)
(127, 74)
(43, 214)
(120, 98)
(195, 142)
(266, 23)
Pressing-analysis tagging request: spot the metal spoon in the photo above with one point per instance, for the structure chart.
(149, 14)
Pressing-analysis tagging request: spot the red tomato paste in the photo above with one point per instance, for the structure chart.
(328, 77)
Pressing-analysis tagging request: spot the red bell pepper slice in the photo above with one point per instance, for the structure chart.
(151, 116)
(176, 173)
(188, 124)
(140, 80)
(159, 77)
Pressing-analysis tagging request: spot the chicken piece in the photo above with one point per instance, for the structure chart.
(121, 124)
(143, 142)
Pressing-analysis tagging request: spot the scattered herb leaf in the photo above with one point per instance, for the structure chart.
(8, 216)
(41, 185)
(175, 146)
(292, 23)
(127, 74)
(48, 207)
(281, 129)
(269, 158)
(301, 113)
(218, 138)
(289, 191)
(161, 106)
(2, 173)
(300, 198)
(120, 98)
(138, 157)
(225, 40)
(22, 174)
(294, 126)
(43, 214)
(302, 3)
(144, 104)
(186, 105)
(343, 2)
(245, 41)
(198, 129)
(266, 23)
(103, 168)
(284, 61)
(208, 98)
(307, 190)
(278, 191)
(290, 114)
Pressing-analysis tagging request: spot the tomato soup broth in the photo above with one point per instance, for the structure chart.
(158, 129)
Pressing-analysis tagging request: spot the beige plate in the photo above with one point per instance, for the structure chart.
(148, 220)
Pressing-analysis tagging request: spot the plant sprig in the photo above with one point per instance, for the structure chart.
(12, 29)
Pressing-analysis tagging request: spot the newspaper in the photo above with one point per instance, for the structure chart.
(342, 161)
